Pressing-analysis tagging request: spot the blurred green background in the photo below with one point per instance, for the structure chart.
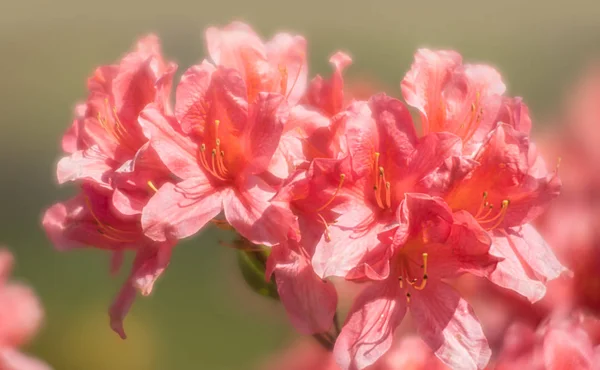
(201, 316)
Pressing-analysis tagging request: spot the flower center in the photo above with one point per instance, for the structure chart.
(217, 165)
(381, 187)
(485, 214)
(406, 265)
(107, 231)
(114, 127)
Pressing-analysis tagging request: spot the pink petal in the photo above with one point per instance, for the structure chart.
(174, 149)
(56, 223)
(535, 252)
(120, 307)
(87, 164)
(149, 266)
(249, 211)
(21, 315)
(511, 272)
(130, 203)
(369, 328)
(310, 302)
(11, 359)
(422, 86)
(263, 131)
(397, 131)
(192, 107)
(289, 52)
(225, 44)
(347, 246)
(566, 349)
(446, 322)
(179, 211)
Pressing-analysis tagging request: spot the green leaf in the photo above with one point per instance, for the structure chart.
(252, 265)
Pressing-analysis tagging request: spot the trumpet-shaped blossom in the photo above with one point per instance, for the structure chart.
(221, 153)
(106, 143)
(429, 245)
(89, 219)
(509, 187)
(278, 66)
(385, 160)
(21, 315)
(465, 99)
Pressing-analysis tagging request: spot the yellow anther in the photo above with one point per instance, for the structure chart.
(151, 186)
(425, 277)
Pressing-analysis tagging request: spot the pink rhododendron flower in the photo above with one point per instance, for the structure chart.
(465, 99)
(221, 152)
(560, 343)
(21, 315)
(106, 144)
(430, 244)
(278, 66)
(88, 219)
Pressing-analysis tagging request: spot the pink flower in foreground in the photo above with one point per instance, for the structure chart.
(560, 343)
(88, 219)
(220, 148)
(106, 144)
(408, 268)
(20, 318)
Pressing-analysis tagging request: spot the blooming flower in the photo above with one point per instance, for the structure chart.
(429, 245)
(21, 315)
(106, 144)
(221, 152)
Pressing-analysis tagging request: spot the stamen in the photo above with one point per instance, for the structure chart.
(104, 228)
(327, 234)
(341, 183)
(221, 164)
(482, 205)
(425, 277)
(401, 282)
(388, 195)
(284, 78)
(377, 187)
(376, 167)
(490, 209)
(500, 216)
(151, 186)
(407, 297)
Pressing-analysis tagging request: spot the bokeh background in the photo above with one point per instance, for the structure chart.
(201, 315)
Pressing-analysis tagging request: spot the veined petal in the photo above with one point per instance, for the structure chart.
(192, 107)
(263, 131)
(446, 322)
(369, 328)
(179, 211)
(174, 149)
(289, 52)
(89, 164)
(511, 272)
(249, 210)
(310, 302)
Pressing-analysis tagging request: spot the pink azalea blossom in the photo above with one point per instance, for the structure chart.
(106, 144)
(278, 66)
(21, 315)
(220, 147)
(465, 99)
(89, 219)
(514, 188)
(408, 269)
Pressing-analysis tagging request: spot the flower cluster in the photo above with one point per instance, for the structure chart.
(20, 317)
(333, 185)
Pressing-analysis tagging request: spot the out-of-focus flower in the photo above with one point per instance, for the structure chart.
(559, 343)
(21, 315)
(408, 352)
